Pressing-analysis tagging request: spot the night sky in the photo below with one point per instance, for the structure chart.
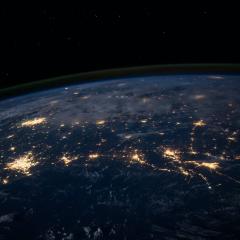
(40, 41)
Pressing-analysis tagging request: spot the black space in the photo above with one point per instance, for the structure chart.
(40, 41)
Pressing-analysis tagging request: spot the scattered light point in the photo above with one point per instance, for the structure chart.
(5, 181)
(199, 97)
(212, 166)
(100, 122)
(143, 120)
(192, 152)
(93, 155)
(183, 171)
(128, 136)
(22, 164)
(10, 136)
(137, 157)
(232, 139)
(171, 154)
(33, 122)
(199, 123)
(67, 159)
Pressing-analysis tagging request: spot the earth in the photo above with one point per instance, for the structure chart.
(148, 157)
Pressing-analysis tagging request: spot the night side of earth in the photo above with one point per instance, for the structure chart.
(148, 157)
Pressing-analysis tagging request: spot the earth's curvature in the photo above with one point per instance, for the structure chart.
(153, 157)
